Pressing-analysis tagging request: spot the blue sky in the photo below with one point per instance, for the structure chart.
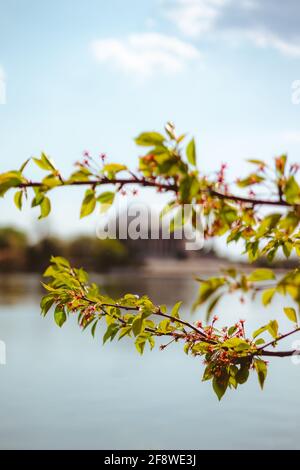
(92, 75)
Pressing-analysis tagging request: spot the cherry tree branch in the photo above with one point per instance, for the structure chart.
(165, 186)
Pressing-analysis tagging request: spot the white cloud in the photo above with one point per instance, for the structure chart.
(145, 54)
(265, 23)
(194, 17)
(264, 40)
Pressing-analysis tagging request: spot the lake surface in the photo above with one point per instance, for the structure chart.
(61, 389)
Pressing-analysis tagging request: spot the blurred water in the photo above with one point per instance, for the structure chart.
(62, 389)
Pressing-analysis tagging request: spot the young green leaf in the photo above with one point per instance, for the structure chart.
(45, 207)
(106, 197)
(220, 385)
(44, 163)
(261, 369)
(93, 329)
(191, 152)
(262, 274)
(60, 316)
(140, 343)
(149, 138)
(259, 331)
(88, 203)
(114, 168)
(175, 310)
(291, 314)
(18, 199)
(268, 296)
(272, 328)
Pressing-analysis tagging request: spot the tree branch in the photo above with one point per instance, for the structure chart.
(254, 202)
(294, 352)
(274, 341)
(166, 186)
(161, 314)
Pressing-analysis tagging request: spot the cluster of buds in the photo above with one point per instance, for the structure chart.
(89, 310)
(221, 174)
(88, 161)
(86, 158)
(88, 315)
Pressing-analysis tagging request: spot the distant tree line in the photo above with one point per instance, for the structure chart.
(17, 253)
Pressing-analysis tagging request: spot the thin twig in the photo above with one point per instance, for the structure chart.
(274, 341)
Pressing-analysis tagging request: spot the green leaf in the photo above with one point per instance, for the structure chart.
(268, 296)
(140, 343)
(242, 374)
(88, 203)
(259, 331)
(8, 180)
(220, 385)
(268, 224)
(254, 161)
(237, 344)
(272, 328)
(111, 332)
(191, 152)
(292, 191)
(175, 310)
(262, 274)
(124, 331)
(164, 326)
(44, 163)
(259, 342)
(261, 369)
(207, 374)
(45, 207)
(51, 181)
(60, 316)
(114, 168)
(38, 199)
(232, 330)
(93, 329)
(186, 347)
(151, 341)
(60, 261)
(137, 325)
(291, 314)
(46, 303)
(23, 166)
(106, 197)
(18, 199)
(250, 180)
(147, 139)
